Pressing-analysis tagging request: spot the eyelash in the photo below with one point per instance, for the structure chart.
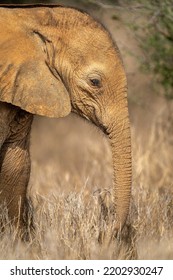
(95, 82)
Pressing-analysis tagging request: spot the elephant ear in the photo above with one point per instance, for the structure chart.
(26, 80)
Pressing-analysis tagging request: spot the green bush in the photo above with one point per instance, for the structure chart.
(157, 40)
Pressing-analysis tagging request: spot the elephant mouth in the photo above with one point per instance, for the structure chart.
(103, 129)
(95, 121)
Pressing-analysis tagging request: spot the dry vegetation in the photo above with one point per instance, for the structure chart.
(74, 217)
(71, 185)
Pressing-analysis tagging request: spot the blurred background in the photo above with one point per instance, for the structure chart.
(70, 155)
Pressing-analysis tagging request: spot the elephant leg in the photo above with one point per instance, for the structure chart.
(15, 169)
(1, 141)
(7, 115)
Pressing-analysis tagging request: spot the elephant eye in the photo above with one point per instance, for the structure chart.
(95, 82)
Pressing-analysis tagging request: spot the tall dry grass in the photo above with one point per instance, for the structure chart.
(71, 188)
(153, 185)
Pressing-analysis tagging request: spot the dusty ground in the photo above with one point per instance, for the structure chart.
(71, 166)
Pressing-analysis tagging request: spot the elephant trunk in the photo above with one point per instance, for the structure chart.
(119, 135)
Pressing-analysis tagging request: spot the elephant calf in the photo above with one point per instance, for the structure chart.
(55, 60)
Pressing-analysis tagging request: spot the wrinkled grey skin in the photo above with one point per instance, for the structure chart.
(54, 61)
(15, 127)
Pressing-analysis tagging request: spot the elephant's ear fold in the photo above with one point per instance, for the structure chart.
(26, 81)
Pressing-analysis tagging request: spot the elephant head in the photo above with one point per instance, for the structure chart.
(55, 60)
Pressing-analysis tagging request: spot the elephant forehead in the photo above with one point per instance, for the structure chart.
(87, 37)
(89, 58)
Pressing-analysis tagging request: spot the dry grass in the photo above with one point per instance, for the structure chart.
(72, 177)
(153, 187)
(74, 217)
